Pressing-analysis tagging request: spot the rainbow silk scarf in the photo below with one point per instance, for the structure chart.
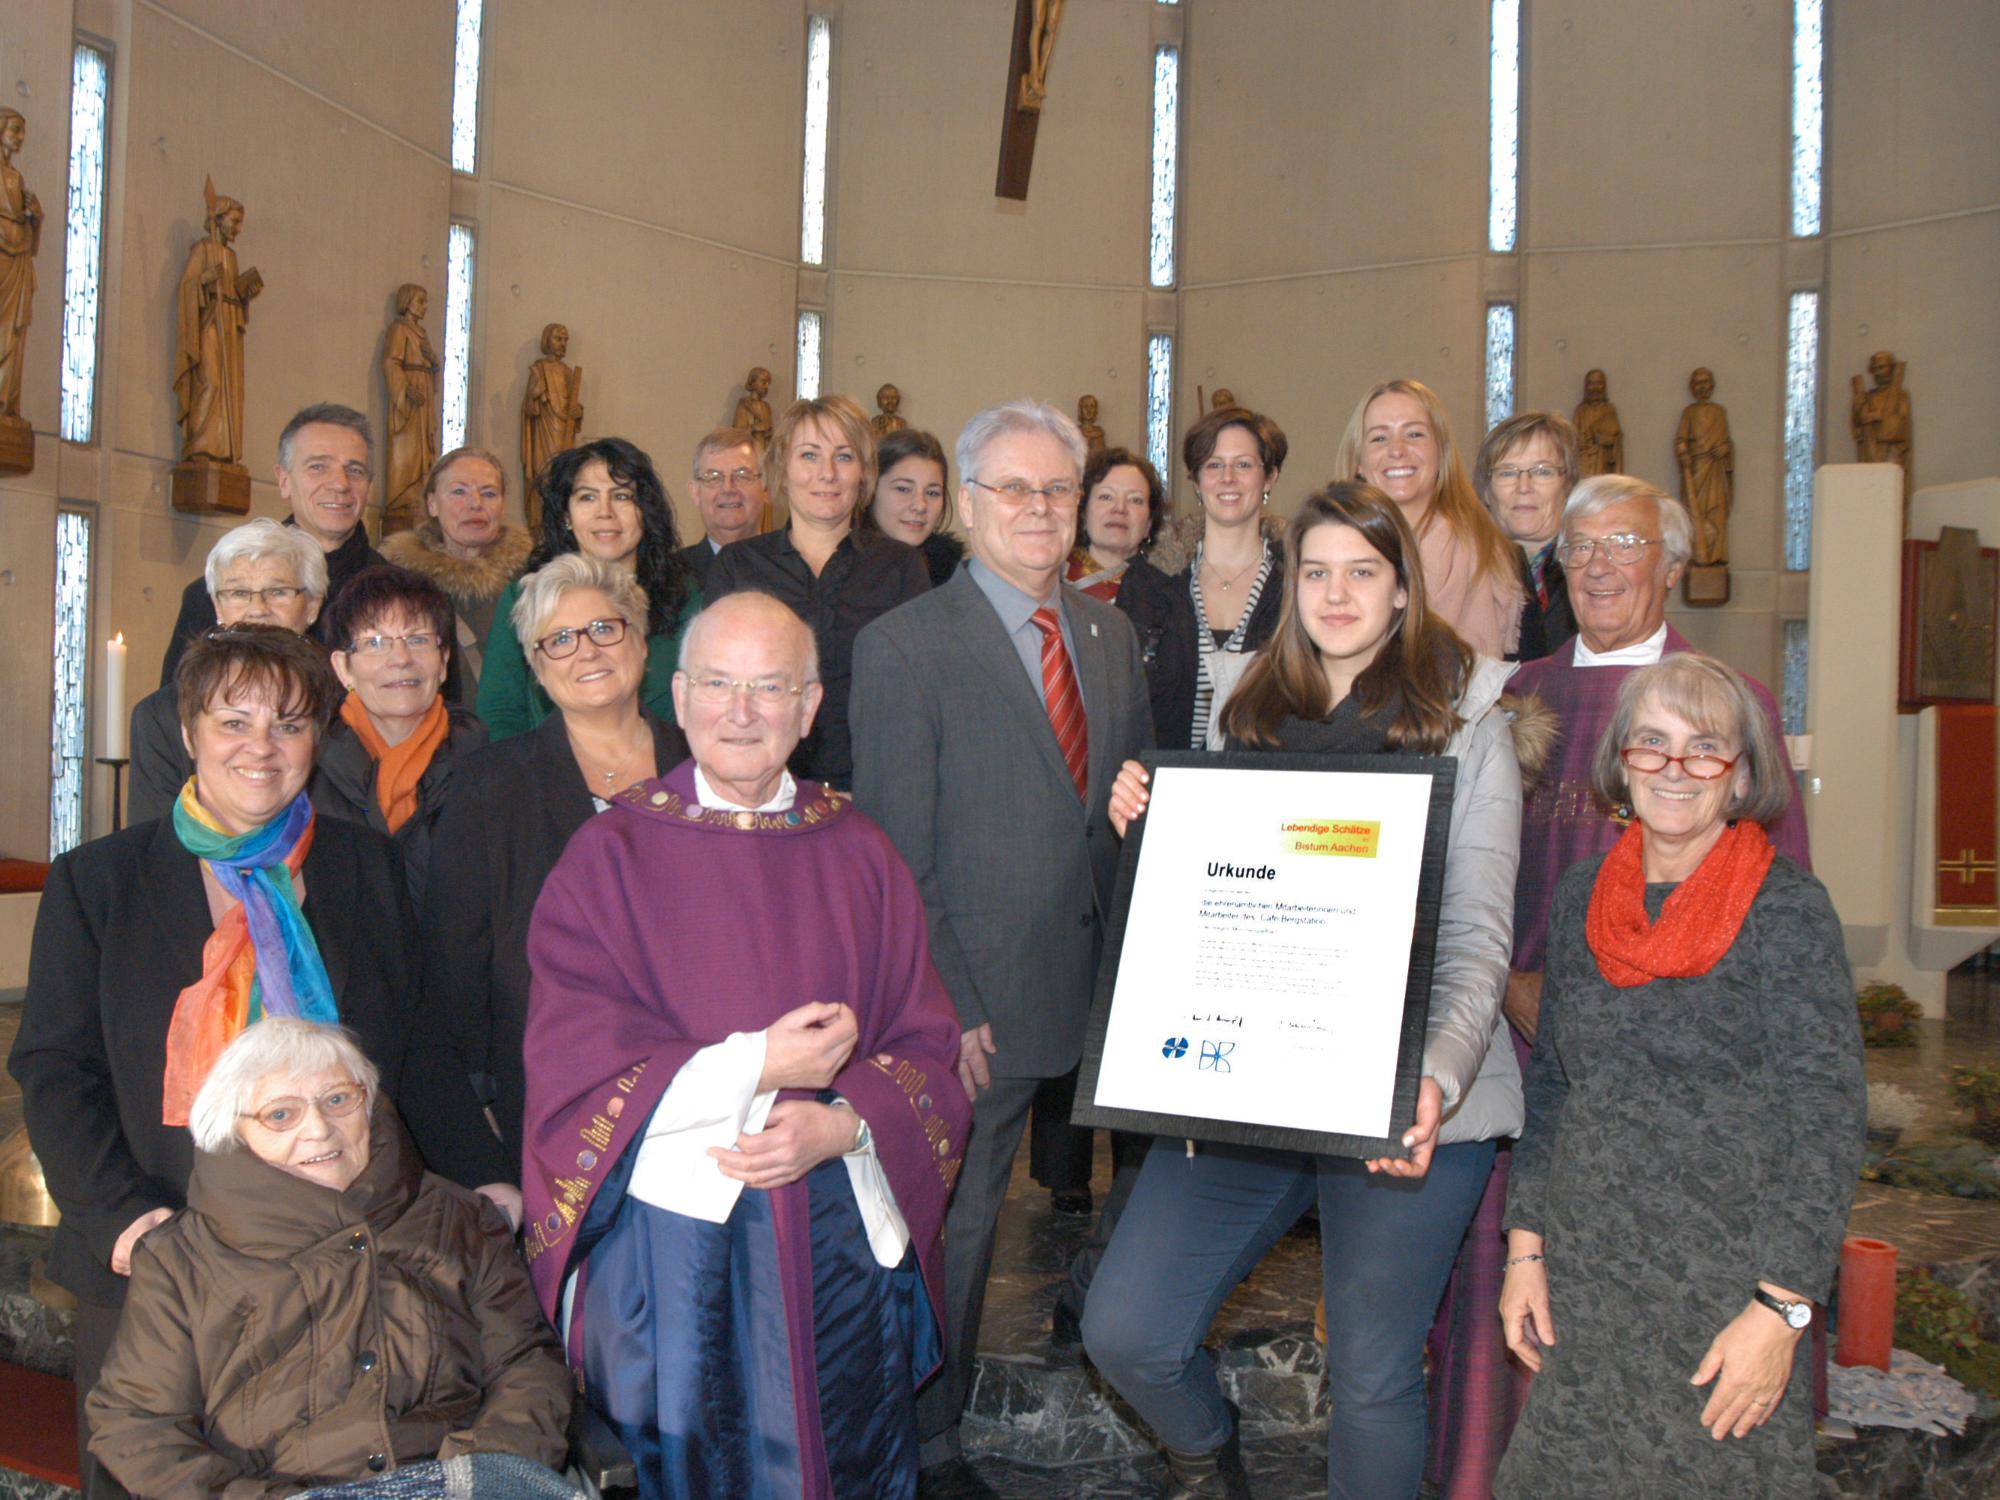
(262, 958)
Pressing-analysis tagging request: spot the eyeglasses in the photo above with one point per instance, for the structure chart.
(765, 692)
(1215, 468)
(421, 643)
(710, 478)
(560, 643)
(1539, 473)
(280, 595)
(287, 1113)
(1620, 549)
(1700, 767)
(1062, 494)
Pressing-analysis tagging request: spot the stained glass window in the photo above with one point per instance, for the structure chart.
(69, 737)
(808, 355)
(1160, 400)
(1499, 363)
(1795, 677)
(465, 88)
(1504, 181)
(457, 334)
(1166, 153)
(1808, 117)
(1801, 426)
(819, 91)
(83, 240)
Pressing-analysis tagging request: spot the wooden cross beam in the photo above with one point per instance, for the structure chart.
(1035, 23)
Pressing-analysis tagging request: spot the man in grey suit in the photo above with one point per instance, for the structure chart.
(972, 750)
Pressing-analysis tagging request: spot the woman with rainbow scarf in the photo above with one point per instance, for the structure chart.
(155, 946)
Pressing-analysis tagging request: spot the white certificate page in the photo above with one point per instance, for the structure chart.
(1267, 948)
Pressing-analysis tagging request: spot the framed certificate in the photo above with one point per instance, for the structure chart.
(1267, 961)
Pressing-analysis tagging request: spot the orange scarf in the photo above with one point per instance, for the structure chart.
(398, 768)
(1697, 925)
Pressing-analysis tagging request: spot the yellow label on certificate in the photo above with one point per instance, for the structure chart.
(1340, 836)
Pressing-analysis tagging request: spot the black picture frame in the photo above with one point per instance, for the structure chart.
(1443, 771)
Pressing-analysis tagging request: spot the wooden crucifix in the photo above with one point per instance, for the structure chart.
(1035, 25)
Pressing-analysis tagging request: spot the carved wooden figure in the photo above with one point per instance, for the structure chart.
(211, 311)
(753, 412)
(1881, 418)
(20, 242)
(1086, 420)
(410, 370)
(1600, 441)
(885, 420)
(551, 413)
(1707, 461)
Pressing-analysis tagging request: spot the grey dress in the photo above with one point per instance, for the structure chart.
(1686, 1139)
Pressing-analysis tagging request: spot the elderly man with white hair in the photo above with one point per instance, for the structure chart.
(741, 1125)
(260, 573)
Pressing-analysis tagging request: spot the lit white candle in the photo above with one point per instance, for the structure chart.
(116, 744)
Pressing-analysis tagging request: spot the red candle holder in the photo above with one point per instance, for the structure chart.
(1867, 1303)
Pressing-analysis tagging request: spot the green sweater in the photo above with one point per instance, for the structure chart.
(512, 702)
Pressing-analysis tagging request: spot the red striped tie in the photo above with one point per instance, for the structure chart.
(1064, 701)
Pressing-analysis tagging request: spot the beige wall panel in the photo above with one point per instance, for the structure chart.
(35, 49)
(954, 348)
(1692, 143)
(663, 327)
(681, 115)
(1304, 351)
(1750, 641)
(1913, 125)
(27, 674)
(1320, 135)
(1924, 294)
(917, 111)
(336, 217)
(380, 58)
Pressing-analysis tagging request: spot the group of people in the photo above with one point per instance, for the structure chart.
(708, 920)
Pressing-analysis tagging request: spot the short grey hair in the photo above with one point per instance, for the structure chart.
(1711, 697)
(1605, 490)
(265, 540)
(275, 1045)
(543, 589)
(331, 414)
(1010, 418)
(701, 622)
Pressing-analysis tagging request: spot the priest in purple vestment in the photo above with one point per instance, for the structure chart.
(743, 1121)
(1624, 545)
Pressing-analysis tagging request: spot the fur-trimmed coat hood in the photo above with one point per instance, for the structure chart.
(1172, 551)
(477, 580)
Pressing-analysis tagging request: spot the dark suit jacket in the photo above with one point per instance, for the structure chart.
(699, 557)
(954, 757)
(512, 809)
(160, 763)
(118, 936)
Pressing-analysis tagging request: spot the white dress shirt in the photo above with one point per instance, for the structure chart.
(1638, 654)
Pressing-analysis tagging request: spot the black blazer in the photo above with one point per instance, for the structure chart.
(1162, 614)
(1544, 631)
(512, 809)
(699, 557)
(118, 936)
(160, 763)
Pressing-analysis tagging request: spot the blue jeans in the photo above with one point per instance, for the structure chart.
(1195, 1228)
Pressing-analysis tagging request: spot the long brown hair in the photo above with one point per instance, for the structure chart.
(1411, 688)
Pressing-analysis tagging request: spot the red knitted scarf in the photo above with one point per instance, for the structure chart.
(1699, 921)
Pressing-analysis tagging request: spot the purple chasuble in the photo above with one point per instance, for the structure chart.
(665, 927)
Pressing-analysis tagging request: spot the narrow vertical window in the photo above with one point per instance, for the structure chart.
(819, 90)
(457, 334)
(1795, 677)
(1166, 155)
(1801, 426)
(465, 89)
(1499, 363)
(808, 355)
(1504, 136)
(69, 737)
(83, 243)
(1160, 400)
(1808, 117)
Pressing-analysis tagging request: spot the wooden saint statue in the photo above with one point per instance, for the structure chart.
(1041, 47)
(411, 371)
(551, 414)
(1223, 399)
(885, 420)
(1707, 461)
(1086, 421)
(1881, 418)
(20, 242)
(753, 412)
(211, 310)
(1600, 441)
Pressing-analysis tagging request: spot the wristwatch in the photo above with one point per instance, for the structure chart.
(1795, 1314)
(864, 1138)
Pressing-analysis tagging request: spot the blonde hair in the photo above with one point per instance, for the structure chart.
(838, 412)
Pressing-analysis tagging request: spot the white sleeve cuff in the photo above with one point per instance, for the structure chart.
(712, 1101)
(888, 1235)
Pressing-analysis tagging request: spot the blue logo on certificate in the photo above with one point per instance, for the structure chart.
(1176, 1047)
(1215, 1056)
